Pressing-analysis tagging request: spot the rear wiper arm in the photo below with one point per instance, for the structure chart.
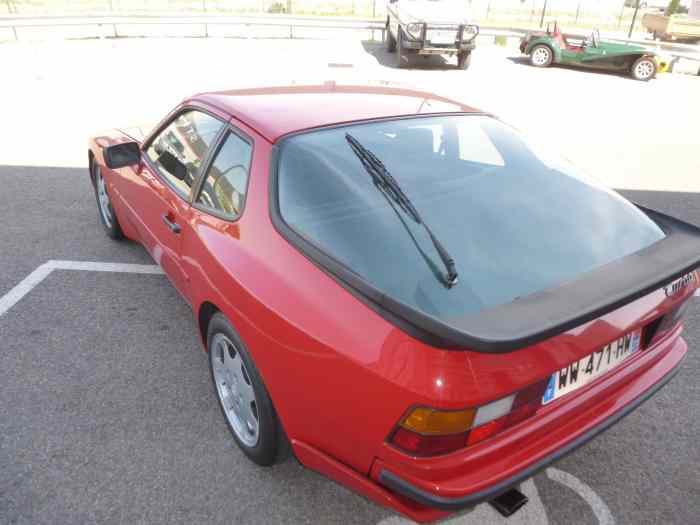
(387, 184)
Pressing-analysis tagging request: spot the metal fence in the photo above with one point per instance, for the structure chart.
(316, 7)
(608, 14)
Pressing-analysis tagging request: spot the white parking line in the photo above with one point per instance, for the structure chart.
(25, 286)
(600, 509)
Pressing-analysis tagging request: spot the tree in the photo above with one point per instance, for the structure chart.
(672, 8)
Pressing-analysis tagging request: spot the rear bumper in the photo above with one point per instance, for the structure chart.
(406, 489)
(441, 485)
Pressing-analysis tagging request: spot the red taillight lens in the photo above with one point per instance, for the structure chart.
(429, 432)
(432, 445)
(487, 430)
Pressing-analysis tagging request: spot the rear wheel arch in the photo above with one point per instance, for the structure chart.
(207, 310)
(91, 162)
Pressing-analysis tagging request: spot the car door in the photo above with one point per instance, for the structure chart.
(172, 159)
(217, 206)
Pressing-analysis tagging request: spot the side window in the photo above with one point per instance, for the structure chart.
(225, 183)
(181, 147)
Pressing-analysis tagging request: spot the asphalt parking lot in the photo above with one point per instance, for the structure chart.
(107, 413)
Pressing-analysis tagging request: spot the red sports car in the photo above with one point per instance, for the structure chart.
(424, 305)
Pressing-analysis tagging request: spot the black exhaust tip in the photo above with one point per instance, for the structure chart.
(509, 502)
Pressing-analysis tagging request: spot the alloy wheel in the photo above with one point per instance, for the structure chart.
(644, 69)
(540, 56)
(235, 390)
(103, 198)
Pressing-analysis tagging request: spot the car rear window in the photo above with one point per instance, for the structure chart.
(514, 219)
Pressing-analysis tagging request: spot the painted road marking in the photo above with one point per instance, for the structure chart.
(600, 509)
(27, 284)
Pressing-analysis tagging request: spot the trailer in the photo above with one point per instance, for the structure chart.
(675, 27)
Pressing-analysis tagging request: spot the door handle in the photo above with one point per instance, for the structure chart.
(174, 227)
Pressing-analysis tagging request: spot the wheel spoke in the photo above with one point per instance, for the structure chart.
(247, 394)
(252, 424)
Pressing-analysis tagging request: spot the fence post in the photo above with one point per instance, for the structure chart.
(634, 18)
(578, 11)
(544, 10)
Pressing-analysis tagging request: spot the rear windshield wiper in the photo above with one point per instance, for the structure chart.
(387, 184)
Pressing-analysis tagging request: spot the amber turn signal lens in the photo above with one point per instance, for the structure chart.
(431, 421)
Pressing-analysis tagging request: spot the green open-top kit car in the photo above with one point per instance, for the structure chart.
(552, 47)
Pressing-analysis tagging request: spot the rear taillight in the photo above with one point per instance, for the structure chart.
(429, 432)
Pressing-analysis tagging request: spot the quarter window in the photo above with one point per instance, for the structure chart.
(224, 186)
(179, 150)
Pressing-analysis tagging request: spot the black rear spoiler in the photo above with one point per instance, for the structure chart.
(532, 318)
(539, 316)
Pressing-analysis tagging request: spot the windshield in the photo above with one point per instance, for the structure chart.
(515, 221)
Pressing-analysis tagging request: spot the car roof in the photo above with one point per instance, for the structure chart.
(276, 111)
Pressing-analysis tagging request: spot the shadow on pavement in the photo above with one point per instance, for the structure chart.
(385, 58)
(524, 60)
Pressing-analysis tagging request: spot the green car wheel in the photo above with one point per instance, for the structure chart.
(644, 69)
(541, 56)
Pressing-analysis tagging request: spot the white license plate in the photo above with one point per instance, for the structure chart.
(442, 37)
(585, 370)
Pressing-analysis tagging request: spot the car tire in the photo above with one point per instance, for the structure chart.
(104, 204)
(401, 55)
(644, 69)
(464, 60)
(390, 40)
(242, 396)
(541, 56)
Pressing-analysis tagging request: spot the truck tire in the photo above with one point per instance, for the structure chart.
(390, 40)
(401, 55)
(464, 59)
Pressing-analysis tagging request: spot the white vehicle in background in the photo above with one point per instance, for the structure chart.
(430, 27)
